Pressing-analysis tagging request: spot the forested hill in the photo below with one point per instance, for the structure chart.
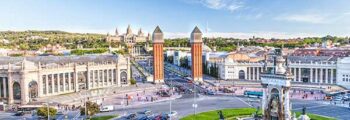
(33, 40)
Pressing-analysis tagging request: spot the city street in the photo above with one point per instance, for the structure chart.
(183, 106)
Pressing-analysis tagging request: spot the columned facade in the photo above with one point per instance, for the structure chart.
(158, 56)
(35, 77)
(311, 72)
(196, 54)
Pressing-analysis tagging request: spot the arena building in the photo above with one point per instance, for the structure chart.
(22, 79)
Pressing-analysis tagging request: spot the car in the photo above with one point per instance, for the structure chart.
(19, 114)
(210, 93)
(161, 117)
(337, 99)
(59, 113)
(107, 108)
(131, 116)
(145, 118)
(147, 112)
(172, 113)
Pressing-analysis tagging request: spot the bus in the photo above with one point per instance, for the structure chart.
(253, 94)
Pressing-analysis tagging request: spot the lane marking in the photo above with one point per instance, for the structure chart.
(244, 101)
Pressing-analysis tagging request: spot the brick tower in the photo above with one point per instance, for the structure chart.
(158, 57)
(196, 54)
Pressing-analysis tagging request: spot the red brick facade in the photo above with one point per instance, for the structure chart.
(158, 64)
(196, 54)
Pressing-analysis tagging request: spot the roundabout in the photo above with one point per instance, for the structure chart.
(240, 113)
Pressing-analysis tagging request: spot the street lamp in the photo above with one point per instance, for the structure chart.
(194, 98)
(85, 92)
(48, 109)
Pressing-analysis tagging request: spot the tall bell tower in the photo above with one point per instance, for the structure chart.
(158, 57)
(196, 54)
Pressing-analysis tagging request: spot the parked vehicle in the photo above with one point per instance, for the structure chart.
(59, 113)
(210, 92)
(107, 108)
(131, 116)
(19, 114)
(147, 112)
(172, 114)
(328, 97)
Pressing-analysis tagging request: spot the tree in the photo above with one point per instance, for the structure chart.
(42, 111)
(92, 108)
(132, 81)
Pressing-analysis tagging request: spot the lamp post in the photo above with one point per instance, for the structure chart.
(48, 109)
(194, 99)
(171, 88)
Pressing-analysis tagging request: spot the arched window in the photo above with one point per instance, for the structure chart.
(33, 89)
(241, 74)
(124, 77)
(16, 91)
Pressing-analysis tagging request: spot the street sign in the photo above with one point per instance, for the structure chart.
(194, 105)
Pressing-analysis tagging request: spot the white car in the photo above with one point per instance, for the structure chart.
(107, 108)
(172, 114)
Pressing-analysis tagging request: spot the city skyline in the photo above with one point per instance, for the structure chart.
(222, 18)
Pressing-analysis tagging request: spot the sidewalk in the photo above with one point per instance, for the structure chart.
(75, 98)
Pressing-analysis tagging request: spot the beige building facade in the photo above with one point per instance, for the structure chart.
(22, 79)
(129, 37)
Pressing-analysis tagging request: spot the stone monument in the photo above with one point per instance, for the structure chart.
(276, 82)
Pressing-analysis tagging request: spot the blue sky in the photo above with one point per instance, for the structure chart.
(266, 18)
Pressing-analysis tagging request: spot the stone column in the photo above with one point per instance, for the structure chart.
(9, 83)
(248, 73)
(76, 78)
(332, 70)
(311, 75)
(10, 89)
(112, 75)
(64, 82)
(88, 77)
(98, 78)
(93, 79)
(52, 84)
(24, 88)
(58, 82)
(103, 78)
(47, 85)
(109, 81)
(4, 87)
(69, 81)
(287, 104)
(117, 75)
(254, 77)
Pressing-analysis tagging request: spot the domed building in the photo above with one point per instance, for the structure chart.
(129, 37)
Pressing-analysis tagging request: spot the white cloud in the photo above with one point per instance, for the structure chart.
(307, 18)
(230, 5)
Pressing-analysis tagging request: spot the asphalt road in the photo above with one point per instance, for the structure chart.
(184, 105)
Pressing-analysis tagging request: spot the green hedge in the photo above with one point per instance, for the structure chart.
(228, 113)
(104, 117)
(83, 52)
